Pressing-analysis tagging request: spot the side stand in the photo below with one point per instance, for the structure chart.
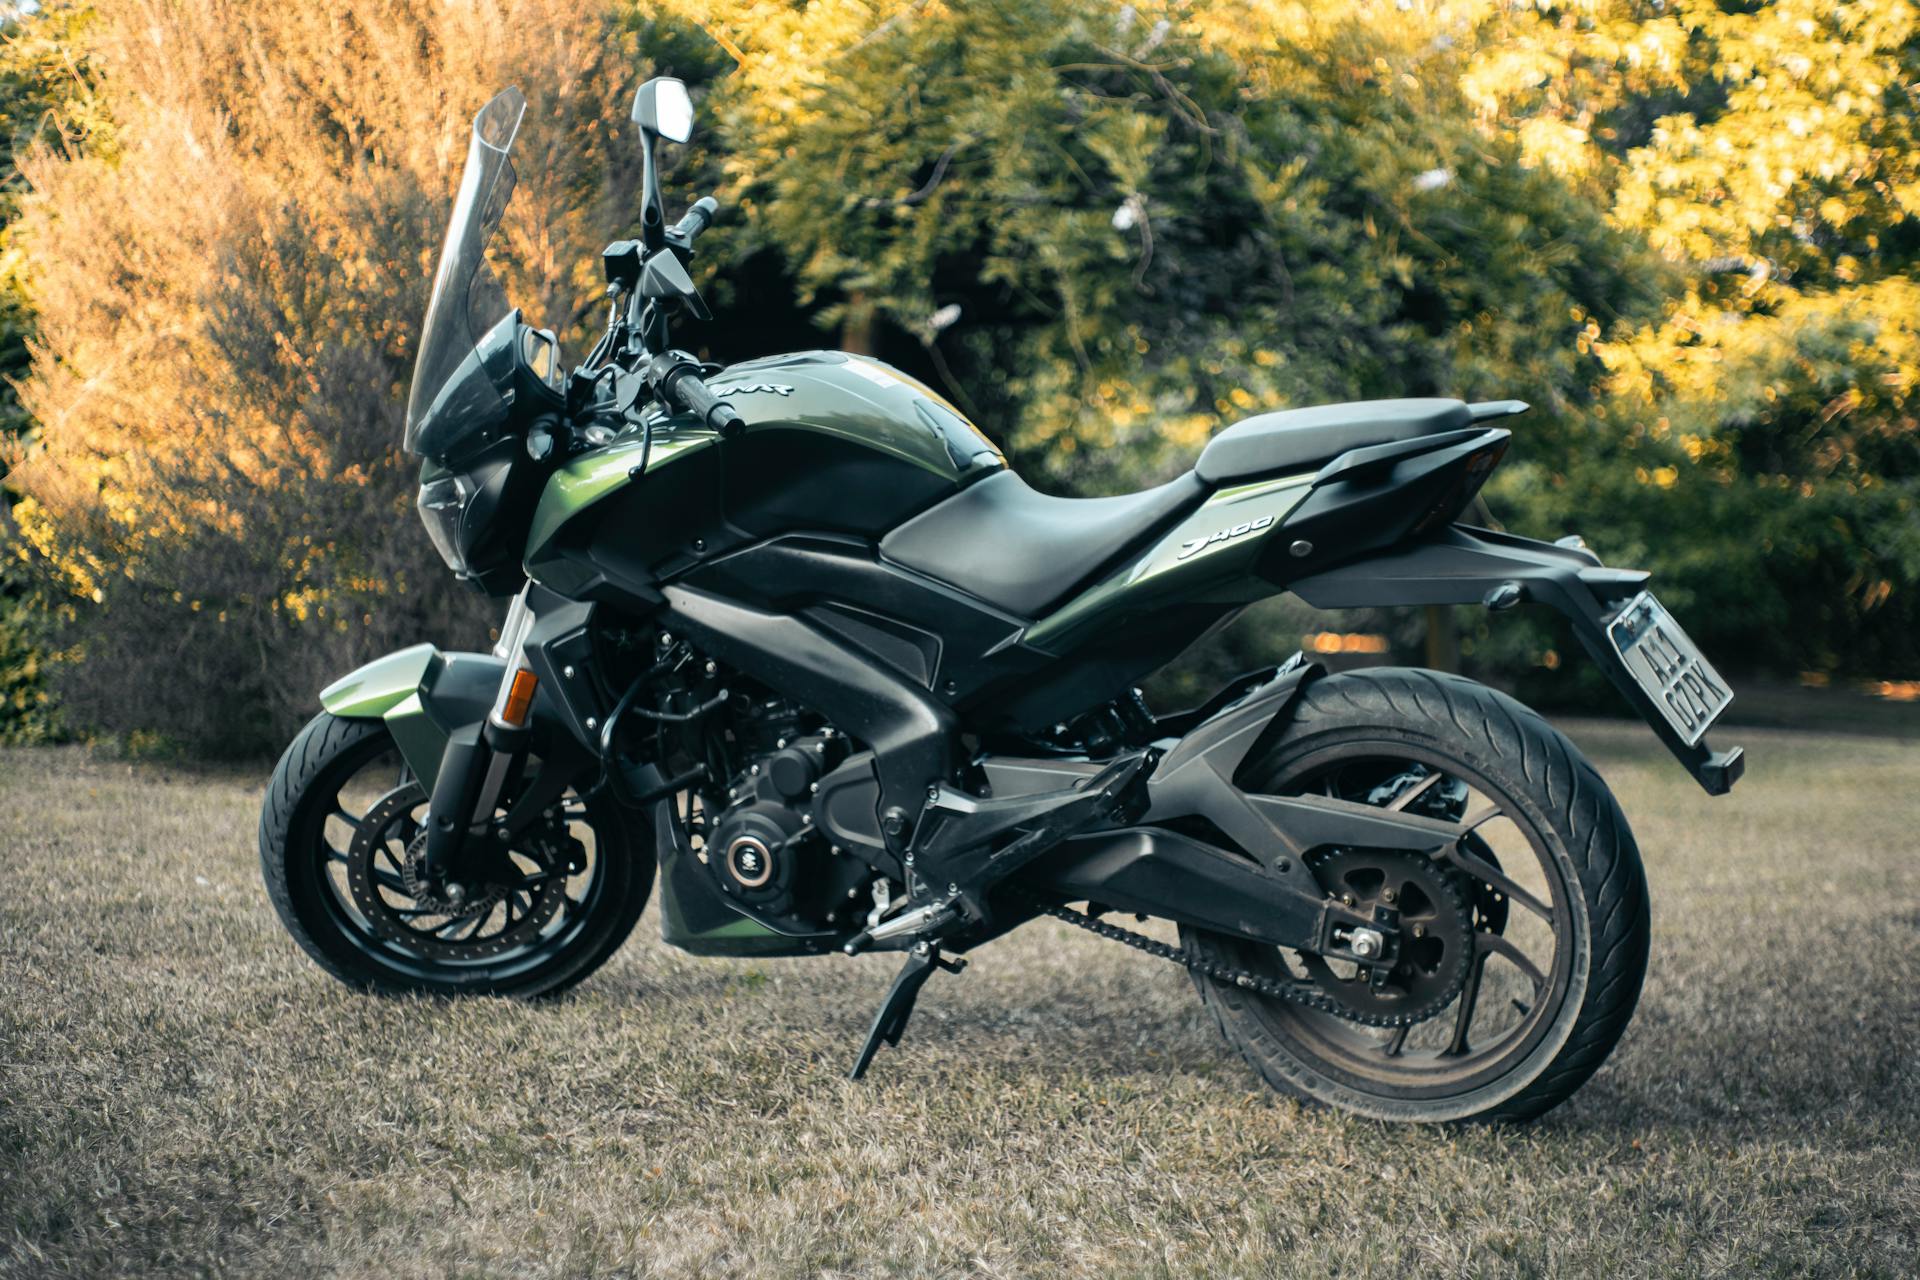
(891, 1022)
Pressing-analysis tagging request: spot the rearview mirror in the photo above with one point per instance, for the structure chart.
(661, 107)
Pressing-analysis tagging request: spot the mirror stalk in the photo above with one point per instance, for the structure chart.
(653, 215)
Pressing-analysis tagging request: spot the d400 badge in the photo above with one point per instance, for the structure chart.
(1195, 545)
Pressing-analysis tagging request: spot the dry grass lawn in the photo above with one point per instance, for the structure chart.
(183, 1093)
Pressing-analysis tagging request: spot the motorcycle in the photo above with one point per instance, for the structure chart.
(793, 638)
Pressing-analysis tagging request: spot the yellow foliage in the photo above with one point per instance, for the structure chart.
(149, 430)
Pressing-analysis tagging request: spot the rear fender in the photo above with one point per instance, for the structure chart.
(1465, 565)
(424, 695)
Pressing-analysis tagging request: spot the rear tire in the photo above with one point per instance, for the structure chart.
(305, 821)
(1592, 899)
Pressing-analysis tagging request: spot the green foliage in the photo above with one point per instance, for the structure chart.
(1685, 232)
(1783, 512)
(1150, 228)
(1141, 250)
(42, 78)
(1758, 443)
(27, 712)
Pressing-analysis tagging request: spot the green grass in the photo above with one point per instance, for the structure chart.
(182, 1092)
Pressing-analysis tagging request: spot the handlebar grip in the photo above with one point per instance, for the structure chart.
(696, 219)
(683, 384)
(720, 415)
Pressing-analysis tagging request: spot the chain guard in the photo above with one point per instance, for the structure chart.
(1292, 990)
(1332, 998)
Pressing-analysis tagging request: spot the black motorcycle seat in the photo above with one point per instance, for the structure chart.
(1021, 550)
(1294, 439)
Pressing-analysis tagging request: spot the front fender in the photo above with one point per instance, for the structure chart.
(423, 695)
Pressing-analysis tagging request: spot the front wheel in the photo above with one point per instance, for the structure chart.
(340, 840)
(1529, 941)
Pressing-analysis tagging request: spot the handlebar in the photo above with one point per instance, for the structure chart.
(695, 220)
(677, 375)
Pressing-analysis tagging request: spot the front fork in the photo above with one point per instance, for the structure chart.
(482, 763)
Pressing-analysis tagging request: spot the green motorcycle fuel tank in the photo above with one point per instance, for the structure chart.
(834, 443)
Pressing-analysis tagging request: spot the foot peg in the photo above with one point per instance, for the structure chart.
(891, 1022)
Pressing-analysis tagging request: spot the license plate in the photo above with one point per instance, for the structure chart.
(1662, 660)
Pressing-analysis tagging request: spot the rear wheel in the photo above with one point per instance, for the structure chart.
(1532, 935)
(340, 839)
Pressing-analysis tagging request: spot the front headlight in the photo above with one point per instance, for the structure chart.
(477, 516)
(443, 508)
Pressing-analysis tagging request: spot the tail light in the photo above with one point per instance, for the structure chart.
(1473, 472)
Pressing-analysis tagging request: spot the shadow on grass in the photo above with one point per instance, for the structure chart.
(1725, 1045)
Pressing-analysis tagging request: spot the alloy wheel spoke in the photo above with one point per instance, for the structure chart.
(1469, 998)
(1394, 1043)
(388, 880)
(1498, 881)
(1487, 944)
(472, 924)
(340, 811)
(1414, 792)
(1480, 817)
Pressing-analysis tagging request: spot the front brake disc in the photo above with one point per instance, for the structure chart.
(383, 875)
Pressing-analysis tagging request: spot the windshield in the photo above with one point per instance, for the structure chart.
(467, 300)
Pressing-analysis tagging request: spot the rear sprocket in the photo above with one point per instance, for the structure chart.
(1435, 949)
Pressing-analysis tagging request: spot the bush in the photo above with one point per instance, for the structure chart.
(228, 289)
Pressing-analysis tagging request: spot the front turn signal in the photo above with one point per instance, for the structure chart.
(519, 702)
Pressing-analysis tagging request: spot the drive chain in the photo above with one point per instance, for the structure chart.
(1296, 991)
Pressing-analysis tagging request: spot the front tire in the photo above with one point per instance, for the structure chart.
(338, 775)
(1556, 893)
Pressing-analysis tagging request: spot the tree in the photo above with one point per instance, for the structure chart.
(1148, 225)
(226, 304)
(1758, 443)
